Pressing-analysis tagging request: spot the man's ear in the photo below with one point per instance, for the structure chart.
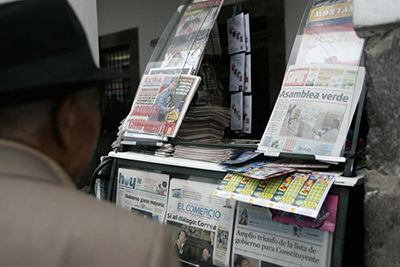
(65, 120)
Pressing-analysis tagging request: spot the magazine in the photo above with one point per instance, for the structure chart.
(313, 111)
(258, 241)
(237, 72)
(160, 104)
(247, 114)
(247, 74)
(201, 224)
(144, 193)
(236, 34)
(300, 193)
(237, 111)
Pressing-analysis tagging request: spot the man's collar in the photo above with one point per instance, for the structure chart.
(20, 160)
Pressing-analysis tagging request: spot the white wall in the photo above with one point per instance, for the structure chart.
(86, 12)
(293, 13)
(149, 16)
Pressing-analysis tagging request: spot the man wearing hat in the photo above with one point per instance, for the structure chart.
(49, 124)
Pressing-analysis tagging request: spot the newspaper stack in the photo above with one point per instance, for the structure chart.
(210, 154)
(204, 123)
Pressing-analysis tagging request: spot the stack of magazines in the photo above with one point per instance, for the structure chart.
(204, 124)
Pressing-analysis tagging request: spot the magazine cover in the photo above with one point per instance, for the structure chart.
(201, 224)
(300, 193)
(236, 34)
(160, 104)
(189, 42)
(259, 241)
(247, 74)
(314, 109)
(142, 192)
(237, 72)
(237, 111)
(247, 114)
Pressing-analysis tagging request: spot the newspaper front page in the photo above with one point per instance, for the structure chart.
(160, 104)
(300, 193)
(201, 224)
(258, 241)
(144, 193)
(313, 112)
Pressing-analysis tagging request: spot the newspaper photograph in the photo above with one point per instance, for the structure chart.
(236, 34)
(299, 193)
(237, 71)
(201, 224)
(237, 111)
(144, 193)
(160, 104)
(189, 42)
(313, 112)
(259, 241)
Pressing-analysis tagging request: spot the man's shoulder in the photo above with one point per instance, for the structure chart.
(81, 226)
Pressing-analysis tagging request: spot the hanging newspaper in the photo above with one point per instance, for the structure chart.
(237, 111)
(247, 74)
(144, 193)
(313, 111)
(236, 34)
(247, 114)
(191, 36)
(300, 193)
(237, 72)
(160, 104)
(258, 241)
(201, 224)
(247, 32)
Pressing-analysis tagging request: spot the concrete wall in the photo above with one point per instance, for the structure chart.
(151, 17)
(86, 11)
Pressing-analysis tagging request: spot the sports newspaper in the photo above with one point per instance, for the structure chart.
(263, 242)
(142, 192)
(207, 220)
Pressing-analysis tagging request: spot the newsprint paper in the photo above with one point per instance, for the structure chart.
(201, 224)
(313, 112)
(142, 192)
(258, 241)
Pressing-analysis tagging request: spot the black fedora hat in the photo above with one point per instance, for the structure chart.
(44, 51)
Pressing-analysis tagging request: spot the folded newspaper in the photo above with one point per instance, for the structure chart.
(201, 224)
(300, 193)
(259, 241)
(313, 111)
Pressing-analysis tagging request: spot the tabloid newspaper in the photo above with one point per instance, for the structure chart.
(258, 241)
(247, 33)
(236, 34)
(237, 72)
(160, 104)
(313, 112)
(331, 14)
(237, 111)
(300, 193)
(190, 39)
(142, 192)
(201, 224)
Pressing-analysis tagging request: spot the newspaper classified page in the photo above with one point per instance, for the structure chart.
(142, 192)
(259, 241)
(201, 223)
(314, 110)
